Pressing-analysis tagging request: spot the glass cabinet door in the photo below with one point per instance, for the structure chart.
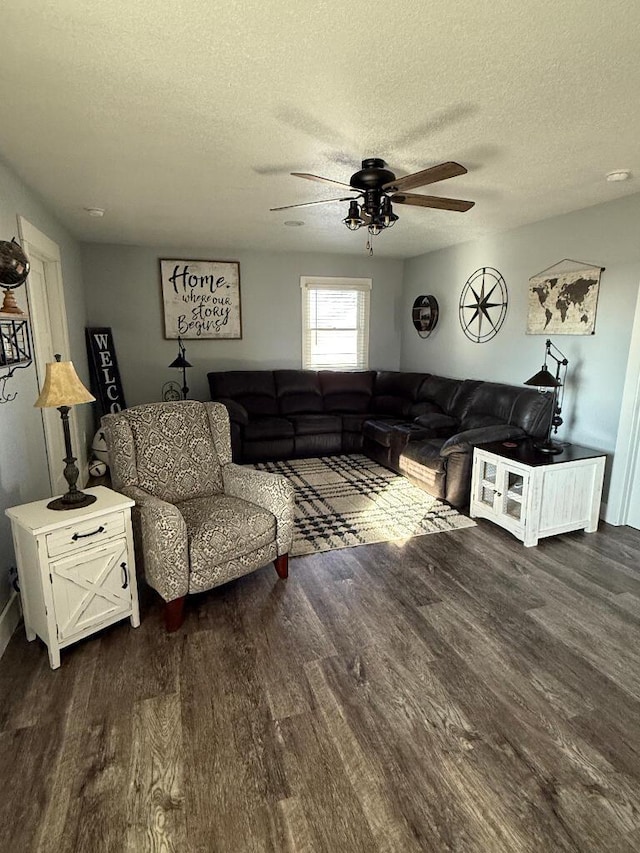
(513, 494)
(488, 483)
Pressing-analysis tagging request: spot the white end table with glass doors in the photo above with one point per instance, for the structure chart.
(532, 494)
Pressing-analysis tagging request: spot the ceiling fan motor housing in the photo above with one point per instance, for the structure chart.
(373, 175)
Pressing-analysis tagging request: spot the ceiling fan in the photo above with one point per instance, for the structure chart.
(379, 189)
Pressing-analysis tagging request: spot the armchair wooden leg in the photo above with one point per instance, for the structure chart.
(174, 614)
(282, 565)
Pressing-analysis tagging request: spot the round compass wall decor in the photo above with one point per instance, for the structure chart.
(483, 305)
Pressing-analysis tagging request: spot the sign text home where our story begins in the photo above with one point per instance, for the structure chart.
(201, 299)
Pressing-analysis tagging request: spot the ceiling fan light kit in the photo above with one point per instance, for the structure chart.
(377, 189)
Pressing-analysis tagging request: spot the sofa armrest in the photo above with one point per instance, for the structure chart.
(237, 412)
(165, 547)
(464, 442)
(270, 491)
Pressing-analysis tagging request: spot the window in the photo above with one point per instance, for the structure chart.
(335, 323)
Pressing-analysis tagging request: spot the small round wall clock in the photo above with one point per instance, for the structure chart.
(483, 305)
(425, 315)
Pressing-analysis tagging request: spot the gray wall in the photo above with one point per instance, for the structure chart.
(23, 463)
(606, 235)
(123, 291)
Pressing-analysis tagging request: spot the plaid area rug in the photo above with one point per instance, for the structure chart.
(342, 501)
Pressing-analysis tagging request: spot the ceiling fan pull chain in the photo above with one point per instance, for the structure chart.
(369, 246)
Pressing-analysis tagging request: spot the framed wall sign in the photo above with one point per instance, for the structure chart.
(201, 299)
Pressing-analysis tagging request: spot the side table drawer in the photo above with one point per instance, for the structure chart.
(84, 533)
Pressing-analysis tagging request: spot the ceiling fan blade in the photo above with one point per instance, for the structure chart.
(321, 180)
(309, 203)
(427, 176)
(434, 201)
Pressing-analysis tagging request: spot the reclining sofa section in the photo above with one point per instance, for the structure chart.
(421, 425)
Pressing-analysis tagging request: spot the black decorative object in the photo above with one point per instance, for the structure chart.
(62, 388)
(103, 369)
(171, 392)
(181, 363)
(544, 380)
(425, 314)
(483, 304)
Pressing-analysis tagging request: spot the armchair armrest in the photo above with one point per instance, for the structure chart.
(237, 412)
(463, 442)
(164, 543)
(271, 491)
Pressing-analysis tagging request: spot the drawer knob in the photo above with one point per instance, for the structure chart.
(77, 536)
(125, 575)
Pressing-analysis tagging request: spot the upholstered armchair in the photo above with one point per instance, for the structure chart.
(200, 519)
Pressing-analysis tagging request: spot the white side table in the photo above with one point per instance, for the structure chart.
(76, 568)
(532, 494)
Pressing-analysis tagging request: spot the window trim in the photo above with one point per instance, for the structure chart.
(338, 283)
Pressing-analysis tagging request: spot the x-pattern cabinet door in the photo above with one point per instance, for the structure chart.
(90, 588)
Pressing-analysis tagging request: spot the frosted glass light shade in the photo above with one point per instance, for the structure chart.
(62, 386)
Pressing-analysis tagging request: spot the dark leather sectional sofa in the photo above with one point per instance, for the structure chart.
(422, 425)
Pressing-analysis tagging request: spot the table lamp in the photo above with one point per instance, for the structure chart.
(62, 388)
(545, 381)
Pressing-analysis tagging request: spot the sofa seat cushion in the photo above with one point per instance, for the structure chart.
(226, 527)
(316, 424)
(260, 429)
(380, 431)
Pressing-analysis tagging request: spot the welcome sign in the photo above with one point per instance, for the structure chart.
(201, 299)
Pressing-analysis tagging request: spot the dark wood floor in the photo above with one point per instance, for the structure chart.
(456, 693)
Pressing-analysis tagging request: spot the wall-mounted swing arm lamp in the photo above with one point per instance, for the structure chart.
(181, 363)
(544, 380)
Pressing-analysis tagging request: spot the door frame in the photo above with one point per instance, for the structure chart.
(38, 245)
(626, 461)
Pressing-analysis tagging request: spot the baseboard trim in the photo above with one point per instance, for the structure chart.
(9, 619)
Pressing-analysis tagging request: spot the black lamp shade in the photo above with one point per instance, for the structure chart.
(181, 362)
(543, 379)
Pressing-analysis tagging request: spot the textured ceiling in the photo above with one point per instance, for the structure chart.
(183, 119)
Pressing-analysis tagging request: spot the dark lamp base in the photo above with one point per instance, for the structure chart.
(75, 500)
(548, 447)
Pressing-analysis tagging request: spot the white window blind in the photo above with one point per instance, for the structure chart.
(335, 323)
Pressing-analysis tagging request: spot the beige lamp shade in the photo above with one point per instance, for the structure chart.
(62, 386)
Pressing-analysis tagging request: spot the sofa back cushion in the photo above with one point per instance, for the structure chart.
(394, 393)
(531, 411)
(494, 403)
(298, 391)
(347, 391)
(436, 394)
(253, 389)
(175, 455)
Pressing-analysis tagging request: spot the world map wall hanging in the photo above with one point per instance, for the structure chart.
(563, 299)
(483, 304)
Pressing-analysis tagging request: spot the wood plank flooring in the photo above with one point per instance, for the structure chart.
(457, 692)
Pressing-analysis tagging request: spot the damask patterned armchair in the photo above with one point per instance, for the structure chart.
(201, 520)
